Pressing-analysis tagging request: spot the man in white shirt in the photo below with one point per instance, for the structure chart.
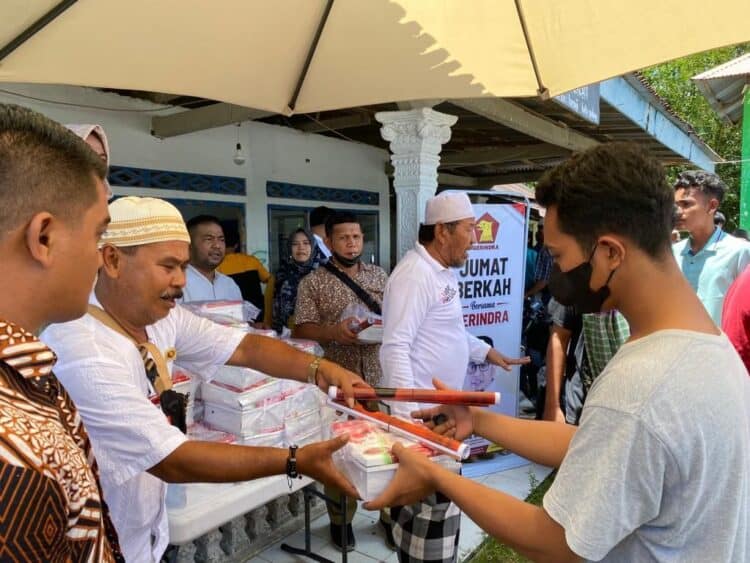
(659, 468)
(318, 218)
(423, 328)
(424, 337)
(207, 250)
(144, 253)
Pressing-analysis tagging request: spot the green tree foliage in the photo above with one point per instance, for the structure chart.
(672, 82)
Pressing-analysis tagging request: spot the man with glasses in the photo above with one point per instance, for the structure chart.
(709, 258)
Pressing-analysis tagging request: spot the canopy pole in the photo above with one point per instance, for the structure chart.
(542, 90)
(35, 27)
(310, 54)
(745, 165)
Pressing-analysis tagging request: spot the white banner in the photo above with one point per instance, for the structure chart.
(492, 286)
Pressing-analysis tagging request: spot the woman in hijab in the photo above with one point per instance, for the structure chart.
(95, 138)
(302, 258)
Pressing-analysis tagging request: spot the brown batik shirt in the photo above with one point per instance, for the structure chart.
(51, 506)
(322, 298)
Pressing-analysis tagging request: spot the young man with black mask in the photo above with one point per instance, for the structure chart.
(659, 468)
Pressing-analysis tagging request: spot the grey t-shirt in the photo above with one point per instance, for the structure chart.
(659, 469)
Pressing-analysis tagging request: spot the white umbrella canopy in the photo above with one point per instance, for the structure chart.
(253, 52)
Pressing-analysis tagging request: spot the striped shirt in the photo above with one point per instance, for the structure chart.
(52, 508)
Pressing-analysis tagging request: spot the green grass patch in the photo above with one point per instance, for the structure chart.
(492, 550)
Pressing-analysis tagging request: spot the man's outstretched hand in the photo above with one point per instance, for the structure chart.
(412, 482)
(454, 421)
(314, 460)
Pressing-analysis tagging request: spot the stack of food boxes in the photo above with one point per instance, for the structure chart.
(256, 408)
(245, 406)
(261, 410)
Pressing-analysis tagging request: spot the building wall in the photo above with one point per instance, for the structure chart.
(273, 153)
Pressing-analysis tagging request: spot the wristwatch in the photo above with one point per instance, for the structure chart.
(312, 370)
(291, 466)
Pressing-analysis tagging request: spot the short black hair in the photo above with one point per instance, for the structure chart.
(719, 218)
(705, 182)
(611, 188)
(427, 232)
(43, 167)
(202, 220)
(338, 218)
(320, 215)
(231, 235)
(487, 340)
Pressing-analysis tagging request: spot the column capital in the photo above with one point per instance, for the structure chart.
(416, 132)
(416, 138)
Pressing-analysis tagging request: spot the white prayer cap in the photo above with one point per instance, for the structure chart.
(448, 207)
(84, 130)
(143, 220)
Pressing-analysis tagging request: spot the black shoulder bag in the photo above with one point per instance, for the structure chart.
(365, 297)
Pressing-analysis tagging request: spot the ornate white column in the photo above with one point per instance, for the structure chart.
(416, 138)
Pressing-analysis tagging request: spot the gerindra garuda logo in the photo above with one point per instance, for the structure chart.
(487, 229)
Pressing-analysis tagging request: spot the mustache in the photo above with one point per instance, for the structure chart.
(177, 294)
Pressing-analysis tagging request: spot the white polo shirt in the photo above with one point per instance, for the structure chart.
(322, 246)
(199, 288)
(103, 373)
(423, 328)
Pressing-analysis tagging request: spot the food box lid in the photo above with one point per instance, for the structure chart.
(370, 446)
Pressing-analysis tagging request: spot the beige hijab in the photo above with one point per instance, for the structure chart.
(83, 131)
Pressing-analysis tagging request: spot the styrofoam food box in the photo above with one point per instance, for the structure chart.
(366, 459)
(268, 417)
(303, 438)
(240, 377)
(371, 481)
(267, 440)
(183, 494)
(302, 426)
(238, 398)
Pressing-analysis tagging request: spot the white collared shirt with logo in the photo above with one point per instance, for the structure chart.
(423, 328)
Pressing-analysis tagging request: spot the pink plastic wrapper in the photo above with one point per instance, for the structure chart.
(205, 433)
(370, 445)
(309, 346)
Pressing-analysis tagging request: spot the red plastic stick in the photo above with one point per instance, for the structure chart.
(433, 396)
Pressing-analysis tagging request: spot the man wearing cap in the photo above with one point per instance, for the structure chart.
(709, 258)
(144, 254)
(424, 337)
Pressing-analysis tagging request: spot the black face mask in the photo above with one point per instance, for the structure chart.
(572, 288)
(346, 262)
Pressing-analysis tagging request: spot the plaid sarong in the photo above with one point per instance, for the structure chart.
(603, 334)
(427, 531)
